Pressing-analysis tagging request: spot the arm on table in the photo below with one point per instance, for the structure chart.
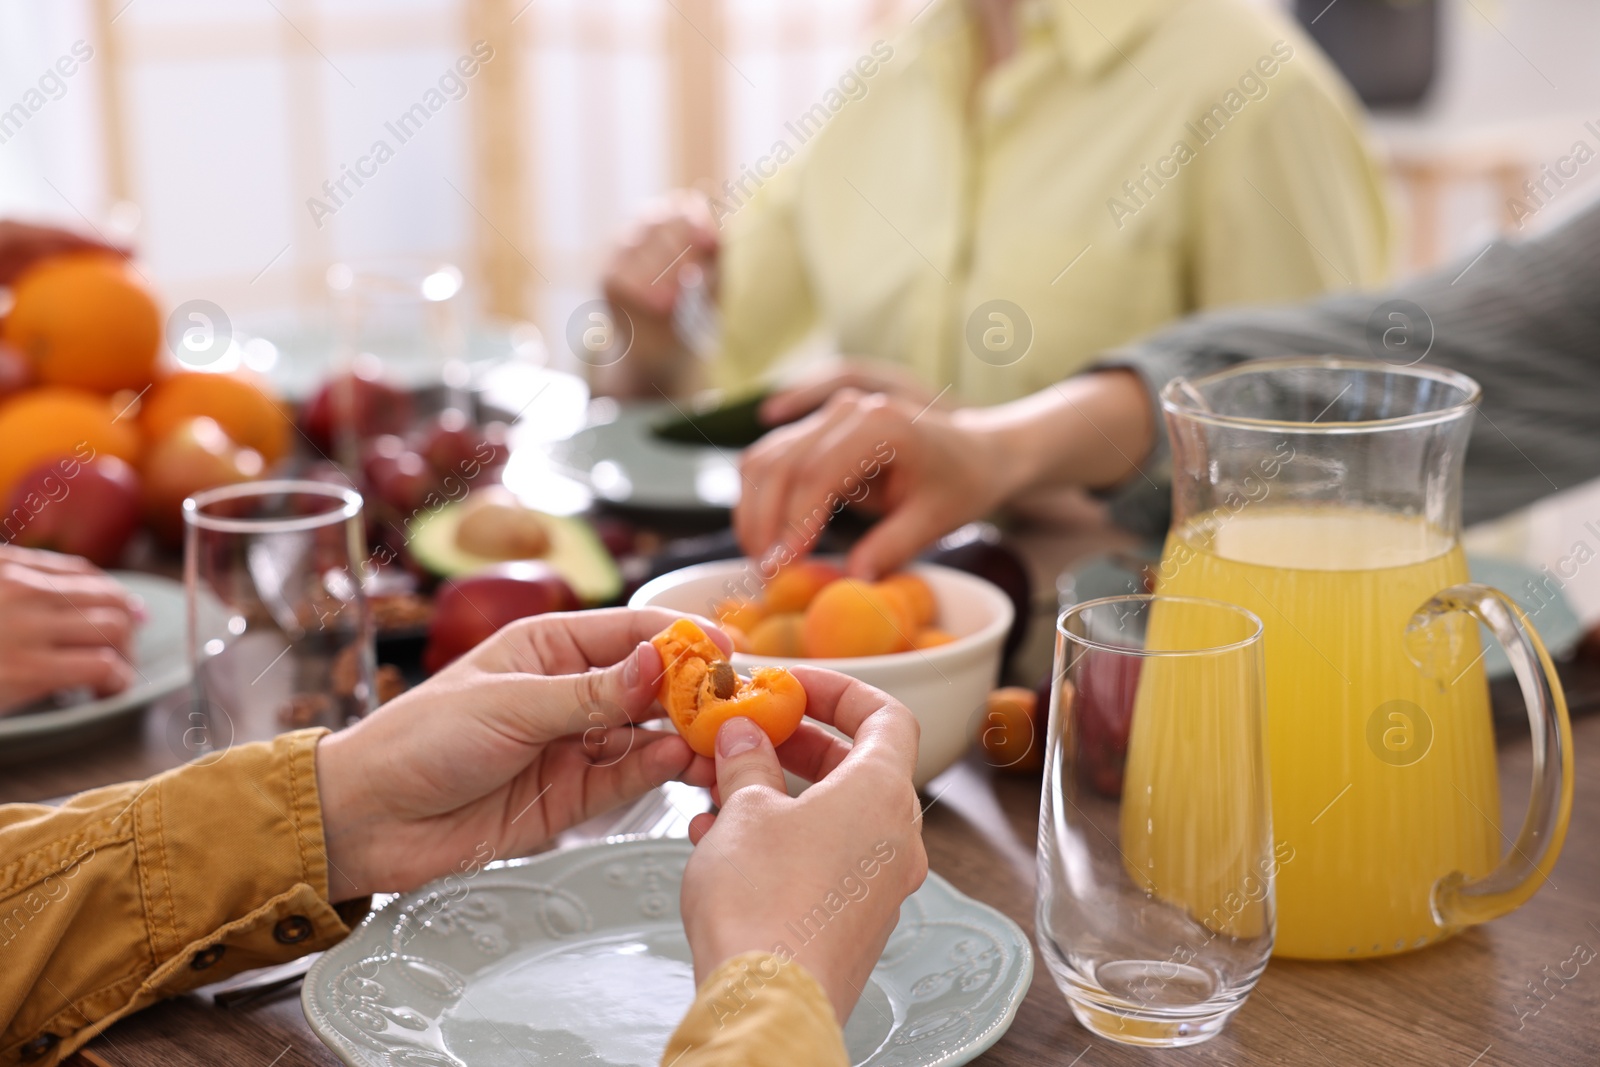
(132, 893)
(1521, 319)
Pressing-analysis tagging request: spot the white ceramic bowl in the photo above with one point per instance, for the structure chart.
(945, 687)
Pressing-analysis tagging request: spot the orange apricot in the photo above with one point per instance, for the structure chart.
(779, 635)
(1009, 731)
(745, 614)
(700, 690)
(931, 638)
(915, 594)
(792, 588)
(850, 617)
(740, 639)
(905, 618)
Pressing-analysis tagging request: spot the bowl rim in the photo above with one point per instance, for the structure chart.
(994, 630)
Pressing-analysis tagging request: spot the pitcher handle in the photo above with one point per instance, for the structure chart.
(1457, 900)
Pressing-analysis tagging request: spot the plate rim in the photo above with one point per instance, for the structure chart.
(1013, 997)
(634, 417)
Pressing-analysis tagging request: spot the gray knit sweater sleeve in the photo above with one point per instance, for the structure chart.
(1523, 320)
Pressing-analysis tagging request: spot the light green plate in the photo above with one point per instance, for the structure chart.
(579, 957)
(622, 460)
(159, 657)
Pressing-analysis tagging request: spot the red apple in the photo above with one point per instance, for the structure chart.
(1107, 685)
(403, 481)
(16, 373)
(979, 549)
(451, 444)
(468, 611)
(197, 455)
(357, 401)
(494, 447)
(379, 451)
(83, 509)
(616, 534)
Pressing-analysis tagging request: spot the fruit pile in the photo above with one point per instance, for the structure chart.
(96, 436)
(809, 609)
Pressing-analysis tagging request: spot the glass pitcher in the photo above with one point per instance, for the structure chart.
(1325, 497)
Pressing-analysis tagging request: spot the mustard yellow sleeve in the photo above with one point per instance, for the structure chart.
(1291, 204)
(764, 292)
(758, 1011)
(136, 892)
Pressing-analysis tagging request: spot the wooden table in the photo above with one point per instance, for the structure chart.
(1464, 1003)
(1469, 1002)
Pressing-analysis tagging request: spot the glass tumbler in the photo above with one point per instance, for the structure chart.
(1156, 856)
(279, 630)
(401, 317)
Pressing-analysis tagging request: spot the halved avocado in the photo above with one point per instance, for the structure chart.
(575, 551)
(717, 421)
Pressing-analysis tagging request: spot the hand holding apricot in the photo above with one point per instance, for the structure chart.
(818, 878)
(528, 734)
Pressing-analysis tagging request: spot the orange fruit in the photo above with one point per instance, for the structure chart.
(86, 320)
(850, 617)
(240, 404)
(792, 588)
(914, 595)
(745, 614)
(740, 639)
(1011, 732)
(53, 423)
(778, 635)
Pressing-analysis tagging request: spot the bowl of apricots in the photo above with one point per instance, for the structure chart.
(929, 636)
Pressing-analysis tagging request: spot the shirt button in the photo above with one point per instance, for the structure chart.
(292, 931)
(207, 956)
(39, 1046)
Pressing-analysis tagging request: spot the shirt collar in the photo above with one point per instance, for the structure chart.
(1092, 34)
(1089, 35)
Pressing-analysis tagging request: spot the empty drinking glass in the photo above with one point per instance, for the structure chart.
(280, 635)
(1156, 857)
(402, 318)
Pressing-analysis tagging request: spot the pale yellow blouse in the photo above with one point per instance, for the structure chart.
(1134, 161)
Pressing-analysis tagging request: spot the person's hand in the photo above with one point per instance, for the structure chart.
(518, 740)
(63, 624)
(641, 277)
(809, 392)
(821, 877)
(923, 470)
(22, 244)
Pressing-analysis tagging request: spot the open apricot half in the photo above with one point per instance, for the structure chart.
(701, 691)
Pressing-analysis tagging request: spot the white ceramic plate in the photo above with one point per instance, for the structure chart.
(301, 347)
(579, 957)
(161, 661)
(623, 462)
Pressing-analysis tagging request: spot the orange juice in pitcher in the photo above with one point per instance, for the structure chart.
(1324, 497)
